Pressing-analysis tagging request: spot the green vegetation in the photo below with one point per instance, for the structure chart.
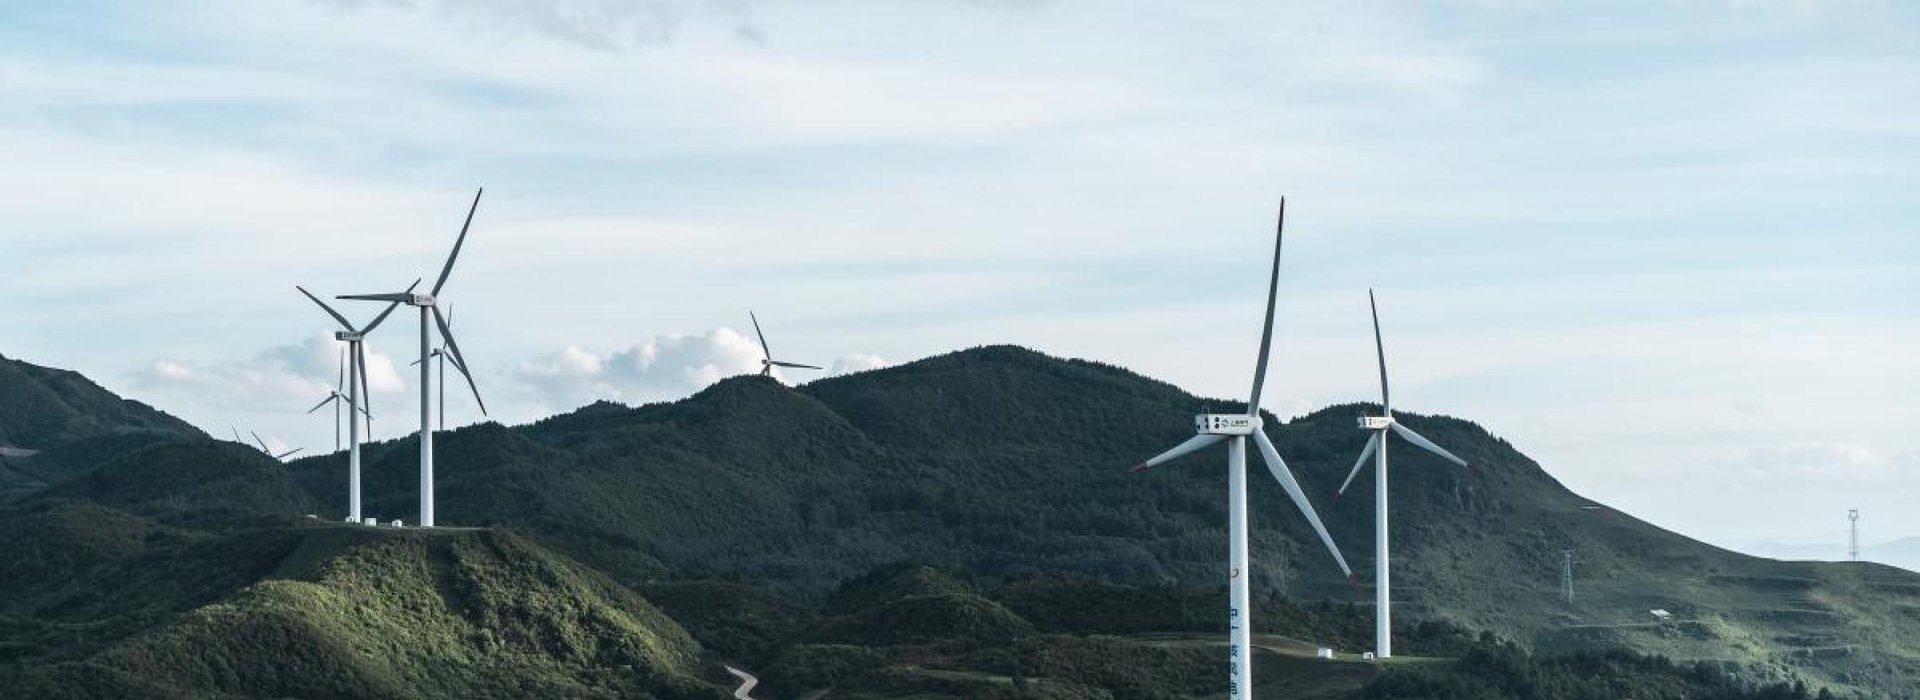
(767, 520)
(1506, 673)
(41, 407)
(357, 612)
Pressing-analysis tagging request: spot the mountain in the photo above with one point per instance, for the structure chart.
(326, 610)
(41, 407)
(749, 509)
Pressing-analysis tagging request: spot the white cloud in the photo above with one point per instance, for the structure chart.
(600, 24)
(282, 378)
(1814, 459)
(857, 362)
(663, 367)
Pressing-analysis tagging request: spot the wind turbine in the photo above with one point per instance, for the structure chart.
(357, 398)
(440, 353)
(338, 399)
(263, 445)
(429, 317)
(767, 363)
(335, 397)
(1234, 429)
(1377, 448)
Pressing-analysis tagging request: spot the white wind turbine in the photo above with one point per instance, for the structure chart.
(357, 399)
(337, 399)
(268, 451)
(429, 317)
(1234, 429)
(440, 355)
(1377, 448)
(767, 363)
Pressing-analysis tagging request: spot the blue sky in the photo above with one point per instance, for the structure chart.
(1668, 249)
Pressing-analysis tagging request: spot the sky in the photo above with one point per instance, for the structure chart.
(1668, 249)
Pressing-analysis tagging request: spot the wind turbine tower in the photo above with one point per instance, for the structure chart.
(1234, 429)
(440, 355)
(1381, 426)
(429, 317)
(357, 398)
(1853, 534)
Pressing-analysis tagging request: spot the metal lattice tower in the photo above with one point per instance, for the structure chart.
(1566, 574)
(1853, 534)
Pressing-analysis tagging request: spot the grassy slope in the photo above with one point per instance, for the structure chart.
(322, 610)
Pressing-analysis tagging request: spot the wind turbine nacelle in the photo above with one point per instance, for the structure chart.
(417, 299)
(1375, 422)
(346, 337)
(1225, 424)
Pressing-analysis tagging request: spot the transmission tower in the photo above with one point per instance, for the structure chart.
(1853, 534)
(1566, 574)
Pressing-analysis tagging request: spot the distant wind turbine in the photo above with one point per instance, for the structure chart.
(358, 398)
(1377, 448)
(337, 399)
(268, 451)
(430, 316)
(440, 354)
(1234, 430)
(767, 363)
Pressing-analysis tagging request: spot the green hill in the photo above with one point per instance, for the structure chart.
(41, 407)
(325, 610)
(1005, 468)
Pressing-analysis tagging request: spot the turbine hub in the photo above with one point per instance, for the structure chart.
(1375, 422)
(1226, 424)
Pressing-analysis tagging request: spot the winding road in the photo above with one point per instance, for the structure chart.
(747, 682)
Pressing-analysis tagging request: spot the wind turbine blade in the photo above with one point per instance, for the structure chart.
(1425, 444)
(340, 384)
(390, 307)
(459, 361)
(263, 443)
(288, 453)
(1380, 351)
(1373, 443)
(764, 350)
(448, 269)
(396, 296)
(1196, 442)
(792, 364)
(236, 435)
(323, 306)
(1266, 332)
(1281, 473)
(323, 403)
(366, 395)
